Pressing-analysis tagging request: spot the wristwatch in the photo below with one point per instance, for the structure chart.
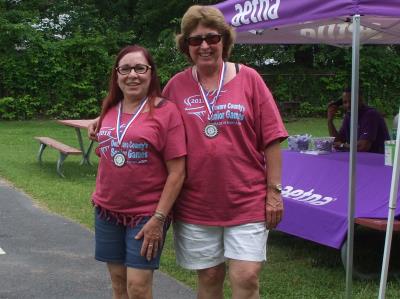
(276, 187)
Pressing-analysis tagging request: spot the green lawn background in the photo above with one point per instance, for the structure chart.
(295, 268)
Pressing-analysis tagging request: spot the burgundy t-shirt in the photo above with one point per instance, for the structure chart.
(135, 188)
(225, 183)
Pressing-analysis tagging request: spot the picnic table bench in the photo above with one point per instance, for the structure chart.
(377, 224)
(374, 224)
(64, 150)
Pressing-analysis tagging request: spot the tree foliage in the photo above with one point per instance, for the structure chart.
(56, 56)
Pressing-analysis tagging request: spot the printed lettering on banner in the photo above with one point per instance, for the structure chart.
(338, 32)
(308, 197)
(255, 11)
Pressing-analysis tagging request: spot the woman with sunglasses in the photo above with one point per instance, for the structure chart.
(141, 170)
(232, 192)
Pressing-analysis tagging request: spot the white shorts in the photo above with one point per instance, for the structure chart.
(200, 246)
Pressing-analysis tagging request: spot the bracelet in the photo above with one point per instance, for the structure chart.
(159, 216)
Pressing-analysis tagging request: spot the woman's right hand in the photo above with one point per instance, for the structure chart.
(152, 234)
(92, 129)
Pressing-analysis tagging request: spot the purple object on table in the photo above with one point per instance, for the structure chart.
(298, 142)
(315, 192)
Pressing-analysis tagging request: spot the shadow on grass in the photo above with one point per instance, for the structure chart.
(72, 170)
(368, 253)
(316, 255)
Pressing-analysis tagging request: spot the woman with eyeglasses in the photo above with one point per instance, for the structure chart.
(141, 170)
(232, 192)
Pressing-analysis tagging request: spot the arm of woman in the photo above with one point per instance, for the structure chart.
(274, 202)
(152, 231)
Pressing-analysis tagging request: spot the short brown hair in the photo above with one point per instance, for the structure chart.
(207, 16)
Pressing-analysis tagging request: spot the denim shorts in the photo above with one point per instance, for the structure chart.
(116, 243)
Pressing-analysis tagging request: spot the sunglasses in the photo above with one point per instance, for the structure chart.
(210, 39)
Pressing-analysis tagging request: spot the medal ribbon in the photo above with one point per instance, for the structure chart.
(210, 104)
(134, 116)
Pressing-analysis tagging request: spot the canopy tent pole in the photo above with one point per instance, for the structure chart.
(353, 152)
(391, 212)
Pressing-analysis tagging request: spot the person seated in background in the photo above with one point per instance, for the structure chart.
(372, 129)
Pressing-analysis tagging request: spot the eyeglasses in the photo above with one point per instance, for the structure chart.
(210, 39)
(127, 69)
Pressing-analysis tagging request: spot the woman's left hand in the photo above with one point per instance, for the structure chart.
(152, 232)
(273, 208)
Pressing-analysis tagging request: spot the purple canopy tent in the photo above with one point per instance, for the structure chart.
(333, 22)
(312, 21)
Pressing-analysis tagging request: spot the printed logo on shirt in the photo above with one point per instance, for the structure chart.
(308, 197)
(134, 152)
(194, 105)
(223, 114)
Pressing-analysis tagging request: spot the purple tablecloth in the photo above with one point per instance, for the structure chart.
(315, 192)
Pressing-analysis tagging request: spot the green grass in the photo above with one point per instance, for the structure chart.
(296, 268)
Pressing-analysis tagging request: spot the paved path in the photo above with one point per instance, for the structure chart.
(45, 256)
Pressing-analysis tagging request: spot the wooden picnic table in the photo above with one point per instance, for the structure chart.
(79, 124)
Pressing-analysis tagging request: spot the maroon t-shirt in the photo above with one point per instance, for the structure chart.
(135, 189)
(225, 183)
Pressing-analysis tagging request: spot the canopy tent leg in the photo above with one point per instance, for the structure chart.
(353, 152)
(391, 214)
